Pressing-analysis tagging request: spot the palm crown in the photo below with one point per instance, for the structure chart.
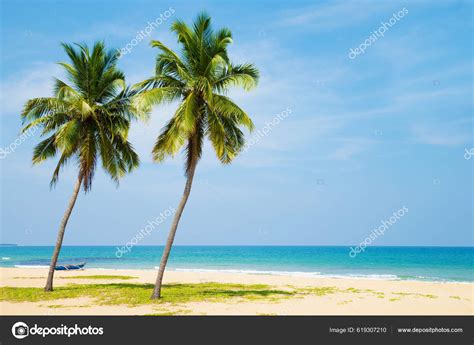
(199, 77)
(87, 119)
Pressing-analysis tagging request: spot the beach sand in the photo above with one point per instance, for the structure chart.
(350, 296)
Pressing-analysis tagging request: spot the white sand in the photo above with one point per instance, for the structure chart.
(399, 297)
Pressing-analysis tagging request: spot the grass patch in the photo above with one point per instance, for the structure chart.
(354, 290)
(428, 296)
(319, 291)
(139, 294)
(170, 312)
(414, 294)
(100, 277)
(455, 297)
(402, 293)
(345, 302)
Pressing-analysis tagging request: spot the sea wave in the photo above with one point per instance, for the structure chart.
(303, 274)
(293, 273)
(283, 273)
(31, 266)
(5, 258)
(361, 276)
(364, 276)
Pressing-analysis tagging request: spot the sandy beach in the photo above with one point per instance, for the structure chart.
(341, 296)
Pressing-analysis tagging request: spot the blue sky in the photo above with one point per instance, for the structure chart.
(366, 136)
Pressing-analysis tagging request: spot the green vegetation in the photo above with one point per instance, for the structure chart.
(428, 296)
(170, 312)
(139, 294)
(357, 290)
(414, 294)
(175, 294)
(199, 76)
(345, 302)
(86, 121)
(167, 313)
(319, 291)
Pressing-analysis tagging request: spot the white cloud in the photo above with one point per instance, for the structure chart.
(351, 147)
(34, 82)
(334, 15)
(442, 134)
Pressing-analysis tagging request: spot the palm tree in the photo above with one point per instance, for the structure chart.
(198, 78)
(85, 120)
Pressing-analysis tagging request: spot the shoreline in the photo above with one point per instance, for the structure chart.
(347, 296)
(317, 275)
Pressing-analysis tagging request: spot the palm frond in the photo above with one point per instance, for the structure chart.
(88, 118)
(172, 137)
(148, 98)
(245, 76)
(44, 150)
(225, 107)
(199, 76)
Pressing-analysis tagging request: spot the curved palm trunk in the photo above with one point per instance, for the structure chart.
(174, 226)
(62, 228)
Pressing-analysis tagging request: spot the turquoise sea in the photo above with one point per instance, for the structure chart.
(402, 263)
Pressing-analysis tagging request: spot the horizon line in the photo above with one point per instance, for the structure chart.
(238, 245)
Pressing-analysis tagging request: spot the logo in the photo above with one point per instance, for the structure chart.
(20, 330)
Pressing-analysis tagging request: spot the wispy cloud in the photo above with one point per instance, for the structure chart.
(333, 15)
(351, 147)
(34, 82)
(442, 134)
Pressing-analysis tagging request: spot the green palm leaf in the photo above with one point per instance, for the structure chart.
(199, 77)
(89, 117)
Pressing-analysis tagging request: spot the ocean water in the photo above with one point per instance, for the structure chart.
(446, 264)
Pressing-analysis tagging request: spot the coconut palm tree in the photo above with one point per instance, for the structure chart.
(84, 121)
(199, 78)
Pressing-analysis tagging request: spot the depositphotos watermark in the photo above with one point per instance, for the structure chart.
(263, 132)
(143, 34)
(469, 153)
(380, 231)
(146, 231)
(18, 141)
(376, 34)
(21, 330)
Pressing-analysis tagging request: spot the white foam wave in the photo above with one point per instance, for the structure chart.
(293, 273)
(6, 258)
(31, 266)
(284, 273)
(364, 276)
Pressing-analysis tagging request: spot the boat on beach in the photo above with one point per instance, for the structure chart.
(70, 267)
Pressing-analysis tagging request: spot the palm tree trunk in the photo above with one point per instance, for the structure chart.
(174, 226)
(62, 228)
